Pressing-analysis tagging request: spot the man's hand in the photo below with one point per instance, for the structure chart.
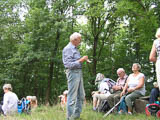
(115, 87)
(122, 93)
(84, 58)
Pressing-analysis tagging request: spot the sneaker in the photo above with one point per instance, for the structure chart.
(129, 113)
(120, 112)
(94, 109)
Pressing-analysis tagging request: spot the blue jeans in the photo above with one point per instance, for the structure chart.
(76, 93)
(154, 95)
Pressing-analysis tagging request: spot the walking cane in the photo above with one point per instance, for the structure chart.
(115, 106)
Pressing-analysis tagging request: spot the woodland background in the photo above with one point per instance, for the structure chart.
(115, 33)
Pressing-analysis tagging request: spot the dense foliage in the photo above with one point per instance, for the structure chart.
(115, 33)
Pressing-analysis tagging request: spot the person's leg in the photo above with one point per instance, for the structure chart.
(158, 72)
(117, 97)
(80, 97)
(101, 97)
(110, 100)
(95, 99)
(73, 84)
(154, 95)
(130, 98)
(98, 102)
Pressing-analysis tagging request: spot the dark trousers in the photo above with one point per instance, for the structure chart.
(154, 95)
(1, 111)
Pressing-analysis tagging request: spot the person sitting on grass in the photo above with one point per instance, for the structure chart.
(63, 99)
(10, 101)
(134, 86)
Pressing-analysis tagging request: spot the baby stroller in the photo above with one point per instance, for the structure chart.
(24, 106)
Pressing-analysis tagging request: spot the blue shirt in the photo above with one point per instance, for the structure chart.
(71, 56)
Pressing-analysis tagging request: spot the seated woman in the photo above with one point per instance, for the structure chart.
(102, 93)
(10, 101)
(134, 86)
(154, 93)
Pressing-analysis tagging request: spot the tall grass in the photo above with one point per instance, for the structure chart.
(56, 113)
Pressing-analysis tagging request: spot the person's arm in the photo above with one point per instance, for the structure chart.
(84, 58)
(117, 86)
(152, 56)
(140, 85)
(5, 104)
(125, 88)
(68, 60)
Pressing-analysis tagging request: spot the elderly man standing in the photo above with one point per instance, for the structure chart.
(117, 89)
(73, 64)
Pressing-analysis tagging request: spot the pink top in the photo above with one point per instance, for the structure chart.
(121, 81)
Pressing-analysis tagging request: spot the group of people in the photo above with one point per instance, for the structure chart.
(10, 101)
(133, 85)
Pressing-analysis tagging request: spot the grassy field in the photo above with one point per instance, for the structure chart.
(56, 113)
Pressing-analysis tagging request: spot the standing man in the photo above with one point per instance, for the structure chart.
(117, 89)
(73, 64)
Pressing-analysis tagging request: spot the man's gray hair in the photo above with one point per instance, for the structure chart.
(7, 86)
(139, 66)
(158, 33)
(75, 36)
(120, 69)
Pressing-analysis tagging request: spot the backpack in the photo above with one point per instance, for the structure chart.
(110, 82)
(24, 106)
(153, 109)
(103, 106)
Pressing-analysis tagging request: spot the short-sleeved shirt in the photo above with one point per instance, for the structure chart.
(157, 45)
(121, 81)
(134, 81)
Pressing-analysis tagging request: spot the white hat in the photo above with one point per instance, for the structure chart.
(7, 86)
(65, 92)
(155, 84)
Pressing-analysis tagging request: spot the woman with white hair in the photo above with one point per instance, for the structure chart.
(155, 55)
(10, 101)
(134, 86)
(102, 93)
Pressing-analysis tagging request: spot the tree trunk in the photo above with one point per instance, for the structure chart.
(95, 55)
(49, 82)
(51, 67)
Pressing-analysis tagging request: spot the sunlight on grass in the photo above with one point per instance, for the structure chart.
(56, 113)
